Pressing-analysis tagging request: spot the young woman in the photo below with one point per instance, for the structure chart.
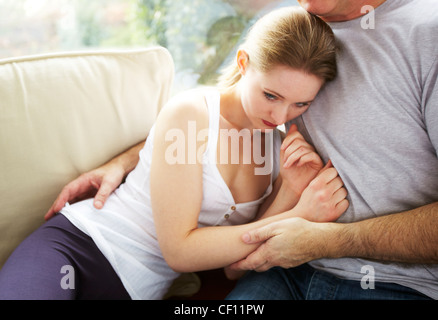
(208, 172)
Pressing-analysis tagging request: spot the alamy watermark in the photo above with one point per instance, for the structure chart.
(236, 147)
(369, 20)
(367, 281)
(68, 281)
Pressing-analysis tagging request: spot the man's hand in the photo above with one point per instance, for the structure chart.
(287, 243)
(97, 183)
(100, 182)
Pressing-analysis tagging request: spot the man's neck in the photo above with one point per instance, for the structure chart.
(352, 11)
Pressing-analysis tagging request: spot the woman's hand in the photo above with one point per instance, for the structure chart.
(324, 199)
(299, 161)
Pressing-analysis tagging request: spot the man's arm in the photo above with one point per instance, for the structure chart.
(99, 182)
(408, 237)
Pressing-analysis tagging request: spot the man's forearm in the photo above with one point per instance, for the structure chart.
(409, 237)
(129, 159)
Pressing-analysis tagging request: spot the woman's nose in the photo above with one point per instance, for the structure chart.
(279, 114)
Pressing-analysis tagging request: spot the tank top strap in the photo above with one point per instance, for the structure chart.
(212, 98)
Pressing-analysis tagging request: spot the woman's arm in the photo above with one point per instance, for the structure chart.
(176, 193)
(281, 199)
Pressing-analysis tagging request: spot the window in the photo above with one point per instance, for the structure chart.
(200, 34)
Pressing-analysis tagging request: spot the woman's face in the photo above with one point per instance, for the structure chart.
(271, 99)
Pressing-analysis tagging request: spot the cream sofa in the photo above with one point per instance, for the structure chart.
(64, 114)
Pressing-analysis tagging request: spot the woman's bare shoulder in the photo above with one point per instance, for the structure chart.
(186, 106)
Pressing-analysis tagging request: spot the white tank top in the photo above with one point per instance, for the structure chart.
(124, 229)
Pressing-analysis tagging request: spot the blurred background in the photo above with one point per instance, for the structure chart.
(200, 34)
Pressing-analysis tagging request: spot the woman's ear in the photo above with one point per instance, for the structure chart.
(242, 61)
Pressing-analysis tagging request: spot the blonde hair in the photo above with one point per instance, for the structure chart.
(288, 36)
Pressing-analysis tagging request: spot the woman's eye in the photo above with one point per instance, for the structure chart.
(270, 97)
(302, 104)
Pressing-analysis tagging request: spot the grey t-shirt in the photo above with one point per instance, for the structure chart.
(378, 123)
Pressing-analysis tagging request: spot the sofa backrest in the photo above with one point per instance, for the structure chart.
(64, 114)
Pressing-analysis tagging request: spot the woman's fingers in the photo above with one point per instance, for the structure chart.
(295, 151)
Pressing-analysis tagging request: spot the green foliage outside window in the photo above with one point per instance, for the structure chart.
(200, 34)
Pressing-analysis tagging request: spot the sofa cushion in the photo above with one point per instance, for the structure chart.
(64, 114)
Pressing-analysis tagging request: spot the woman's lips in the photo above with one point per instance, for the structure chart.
(269, 124)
